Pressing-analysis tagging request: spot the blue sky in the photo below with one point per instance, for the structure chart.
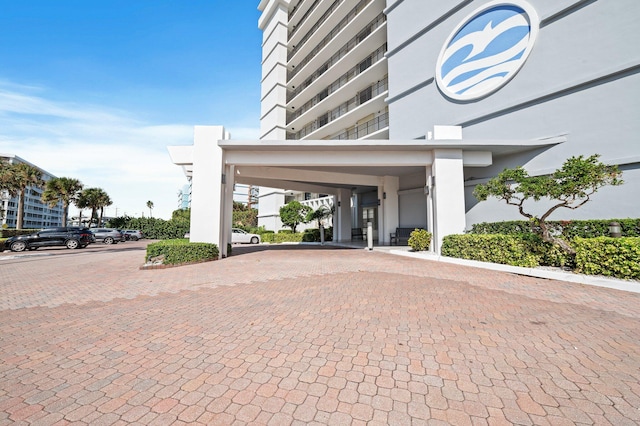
(96, 90)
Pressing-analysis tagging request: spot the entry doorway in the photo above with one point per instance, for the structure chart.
(370, 214)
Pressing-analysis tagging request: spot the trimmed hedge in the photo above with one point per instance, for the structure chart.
(282, 237)
(8, 233)
(153, 228)
(495, 248)
(178, 251)
(615, 257)
(569, 229)
(313, 235)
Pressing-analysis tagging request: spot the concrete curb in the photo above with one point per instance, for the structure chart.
(624, 285)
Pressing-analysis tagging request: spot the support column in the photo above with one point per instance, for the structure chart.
(389, 206)
(448, 194)
(343, 216)
(207, 190)
(227, 223)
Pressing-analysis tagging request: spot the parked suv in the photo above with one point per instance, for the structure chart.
(108, 235)
(133, 234)
(71, 236)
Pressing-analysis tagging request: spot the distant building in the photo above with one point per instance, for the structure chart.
(37, 214)
(184, 197)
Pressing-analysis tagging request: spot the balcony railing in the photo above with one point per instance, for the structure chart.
(373, 25)
(293, 11)
(375, 89)
(333, 87)
(343, 23)
(293, 30)
(360, 131)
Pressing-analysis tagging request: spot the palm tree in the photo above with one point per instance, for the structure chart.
(94, 199)
(150, 206)
(105, 201)
(63, 189)
(7, 183)
(16, 179)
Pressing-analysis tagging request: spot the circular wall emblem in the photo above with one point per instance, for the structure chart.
(486, 50)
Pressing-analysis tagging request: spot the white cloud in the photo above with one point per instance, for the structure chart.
(244, 133)
(103, 148)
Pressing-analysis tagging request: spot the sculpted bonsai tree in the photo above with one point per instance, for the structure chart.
(571, 187)
(294, 213)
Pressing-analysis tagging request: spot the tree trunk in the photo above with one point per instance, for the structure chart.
(65, 213)
(547, 237)
(20, 218)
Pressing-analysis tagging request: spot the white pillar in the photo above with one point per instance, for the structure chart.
(389, 205)
(207, 190)
(448, 194)
(430, 210)
(381, 230)
(227, 223)
(343, 216)
(270, 201)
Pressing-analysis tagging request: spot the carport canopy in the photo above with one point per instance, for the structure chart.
(214, 163)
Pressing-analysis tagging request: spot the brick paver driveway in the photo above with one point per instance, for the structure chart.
(308, 335)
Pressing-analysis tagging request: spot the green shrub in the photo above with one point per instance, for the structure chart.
(569, 229)
(153, 228)
(285, 231)
(256, 230)
(7, 233)
(282, 237)
(504, 249)
(177, 251)
(313, 235)
(615, 257)
(420, 240)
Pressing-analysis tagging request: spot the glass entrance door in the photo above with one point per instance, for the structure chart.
(370, 214)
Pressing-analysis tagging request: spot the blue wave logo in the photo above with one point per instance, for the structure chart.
(486, 50)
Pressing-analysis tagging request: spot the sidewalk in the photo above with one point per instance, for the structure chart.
(301, 334)
(548, 273)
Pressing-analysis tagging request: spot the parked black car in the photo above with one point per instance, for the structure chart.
(71, 237)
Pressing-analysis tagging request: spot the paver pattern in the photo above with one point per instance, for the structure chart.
(308, 335)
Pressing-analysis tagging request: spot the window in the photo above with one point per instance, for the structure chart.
(364, 34)
(323, 94)
(365, 64)
(323, 120)
(365, 95)
(370, 214)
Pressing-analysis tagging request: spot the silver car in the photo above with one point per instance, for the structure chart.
(133, 234)
(108, 235)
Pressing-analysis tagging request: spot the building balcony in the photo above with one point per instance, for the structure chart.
(339, 92)
(348, 56)
(324, 21)
(304, 24)
(374, 128)
(367, 101)
(370, 60)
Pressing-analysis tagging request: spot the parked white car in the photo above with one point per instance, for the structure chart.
(243, 237)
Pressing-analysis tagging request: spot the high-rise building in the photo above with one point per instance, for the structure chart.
(324, 76)
(396, 110)
(529, 83)
(37, 214)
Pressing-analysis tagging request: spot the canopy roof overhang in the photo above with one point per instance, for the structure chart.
(340, 168)
(323, 165)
